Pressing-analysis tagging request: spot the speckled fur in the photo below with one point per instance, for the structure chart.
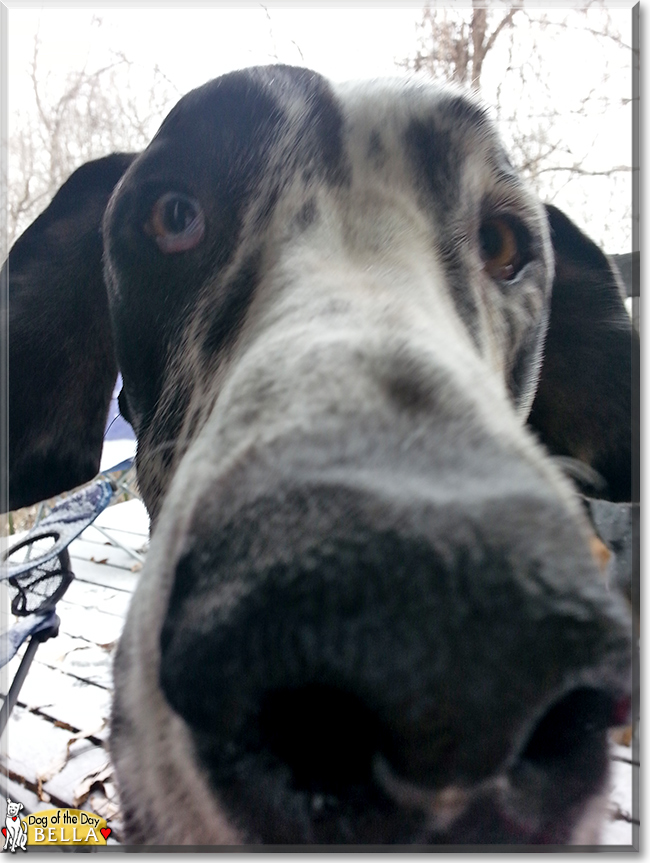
(330, 396)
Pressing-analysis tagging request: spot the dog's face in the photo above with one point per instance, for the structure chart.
(369, 613)
(13, 808)
(380, 231)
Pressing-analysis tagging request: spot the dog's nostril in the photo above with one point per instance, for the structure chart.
(572, 722)
(327, 737)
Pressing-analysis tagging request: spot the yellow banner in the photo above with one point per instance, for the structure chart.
(66, 827)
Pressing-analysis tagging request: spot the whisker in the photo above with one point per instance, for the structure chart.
(583, 474)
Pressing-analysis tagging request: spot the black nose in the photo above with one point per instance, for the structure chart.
(354, 667)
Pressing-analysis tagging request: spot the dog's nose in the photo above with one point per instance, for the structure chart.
(382, 653)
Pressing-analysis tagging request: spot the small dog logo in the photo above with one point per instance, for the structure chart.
(15, 830)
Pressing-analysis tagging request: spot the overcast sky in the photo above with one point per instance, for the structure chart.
(192, 45)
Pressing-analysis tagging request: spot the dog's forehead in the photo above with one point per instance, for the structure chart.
(251, 114)
(391, 105)
(292, 94)
(441, 135)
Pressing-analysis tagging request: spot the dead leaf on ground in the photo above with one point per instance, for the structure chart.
(42, 795)
(40, 705)
(108, 646)
(622, 735)
(93, 782)
(59, 763)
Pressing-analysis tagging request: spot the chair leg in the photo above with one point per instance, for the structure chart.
(16, 685)
(21, 674)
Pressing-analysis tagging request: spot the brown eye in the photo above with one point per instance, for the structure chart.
(502, 249)
(176, 223)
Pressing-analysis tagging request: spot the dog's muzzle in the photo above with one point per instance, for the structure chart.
(391, 649)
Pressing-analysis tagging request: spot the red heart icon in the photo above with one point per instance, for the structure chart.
(4, 832)
(15, 816)
(106, 832)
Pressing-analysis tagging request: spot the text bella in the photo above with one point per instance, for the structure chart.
(66, 826)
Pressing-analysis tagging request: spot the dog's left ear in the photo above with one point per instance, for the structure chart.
(584, 403)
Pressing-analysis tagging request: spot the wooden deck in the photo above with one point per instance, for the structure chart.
(54, 748)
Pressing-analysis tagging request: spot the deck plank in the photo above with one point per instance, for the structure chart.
(70, 681)
(65, 699)
(98, 627)
(103, 553)
(84, 760)
(130, 516)
(116, 578)
(35, 747)
(90, 596)
(79, 658)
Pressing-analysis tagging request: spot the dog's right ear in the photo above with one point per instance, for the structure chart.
(61, 360)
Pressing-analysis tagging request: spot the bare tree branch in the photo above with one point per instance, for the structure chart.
(96, 109)
(554, 146)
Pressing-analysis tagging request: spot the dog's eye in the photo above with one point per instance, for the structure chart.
(176, 223)
(502, 248)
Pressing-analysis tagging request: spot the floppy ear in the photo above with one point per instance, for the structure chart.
(61, 361)
(584, 403)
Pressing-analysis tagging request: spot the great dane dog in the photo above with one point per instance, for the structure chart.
(370, 612)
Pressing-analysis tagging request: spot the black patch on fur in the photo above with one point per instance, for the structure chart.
(216, 146)
(438, 159)
(460, 288)
(306, 216)
(376, 151)
(230, 314)
(325, 122)
(460, 111)
(438, 148)
(265, 213)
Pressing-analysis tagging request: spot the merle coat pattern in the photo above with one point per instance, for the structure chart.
(369, 613)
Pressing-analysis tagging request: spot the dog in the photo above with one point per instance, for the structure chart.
(15, 830)
(352, 342)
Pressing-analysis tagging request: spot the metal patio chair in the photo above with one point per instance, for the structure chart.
(37, 572)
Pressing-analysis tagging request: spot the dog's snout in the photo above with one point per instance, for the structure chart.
(326, 639)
